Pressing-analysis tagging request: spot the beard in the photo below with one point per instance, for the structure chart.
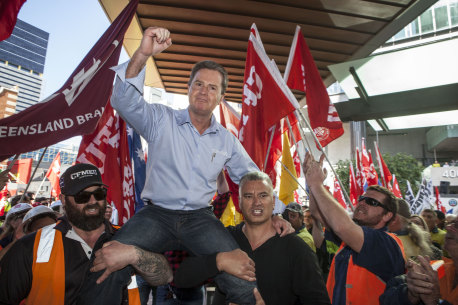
(82, 221)
(367, 221)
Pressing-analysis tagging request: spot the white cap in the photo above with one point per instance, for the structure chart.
(33, 213)
(20, 207)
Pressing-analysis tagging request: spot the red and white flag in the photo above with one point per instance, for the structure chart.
(76, 108)
(373, 176)
(365, 164)
(396, 190)
(302, 74)
(108, 149)
(439, 204)
(354, 189)
(337, 194)
(9, 9)
(21, 170)
(53, 175)
(229, 118)
(266, 100)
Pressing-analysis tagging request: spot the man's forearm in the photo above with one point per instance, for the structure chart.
(136, 64)
(153, 267)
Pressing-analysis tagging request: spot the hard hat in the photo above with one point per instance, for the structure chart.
(20, 207)
(56, 204)
(33, 213)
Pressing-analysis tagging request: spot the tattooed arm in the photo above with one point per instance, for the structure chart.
(153, 267)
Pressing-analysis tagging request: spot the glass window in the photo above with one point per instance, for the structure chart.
(441, 17)
(454, 13)
(414, 27)
(400, 35)
(426, 20)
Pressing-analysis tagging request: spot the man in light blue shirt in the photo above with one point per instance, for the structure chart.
(187, 151)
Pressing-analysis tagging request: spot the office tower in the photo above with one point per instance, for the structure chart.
(22, 60)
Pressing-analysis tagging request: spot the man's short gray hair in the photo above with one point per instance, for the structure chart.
(255, 176)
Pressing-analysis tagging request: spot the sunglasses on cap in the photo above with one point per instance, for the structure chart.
(85, 196)
(372, 202)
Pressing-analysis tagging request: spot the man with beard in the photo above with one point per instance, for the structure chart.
(369, 256)
(49, 266)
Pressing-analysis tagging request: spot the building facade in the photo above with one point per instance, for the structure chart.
(22, 60)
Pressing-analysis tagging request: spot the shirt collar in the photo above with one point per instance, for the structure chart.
(182, 117)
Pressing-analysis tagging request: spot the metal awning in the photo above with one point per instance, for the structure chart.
(335, 30)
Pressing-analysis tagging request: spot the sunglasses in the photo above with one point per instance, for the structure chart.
(84, 196)
(372, 202)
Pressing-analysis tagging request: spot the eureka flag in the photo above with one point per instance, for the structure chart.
(74, 109)
(302, 74)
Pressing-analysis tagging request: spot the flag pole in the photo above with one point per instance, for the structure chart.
(326, 156)
(39, 187)
(268, 147)
(33, 174)
(292, 176)
(380, 166)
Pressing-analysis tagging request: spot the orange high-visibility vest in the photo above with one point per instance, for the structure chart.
(48, 269)
(362, 287)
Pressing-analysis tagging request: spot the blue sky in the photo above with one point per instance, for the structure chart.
(73, 27)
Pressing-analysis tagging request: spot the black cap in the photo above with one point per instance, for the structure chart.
(294, 207)
(78, 177)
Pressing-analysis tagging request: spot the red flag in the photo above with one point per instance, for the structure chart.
(439, 204)
(396, 190)
(76, 108)
(9, 10)
(384, 171)
(302, 74)
(297, 162)
(229, 118)
(266, 100)
(22, 170)
(53, 175)
(354, 190)
(108, 149)
(373, 176)
(337, 194)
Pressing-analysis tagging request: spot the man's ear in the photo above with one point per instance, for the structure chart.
(387, 217)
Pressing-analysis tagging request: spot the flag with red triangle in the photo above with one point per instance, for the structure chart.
(302, 74)
(53, 175)
(396, 190)
(384, 171)
(108, 149)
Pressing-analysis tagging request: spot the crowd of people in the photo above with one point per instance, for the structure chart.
(315, 254)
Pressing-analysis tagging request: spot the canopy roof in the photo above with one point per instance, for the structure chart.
(335, 30)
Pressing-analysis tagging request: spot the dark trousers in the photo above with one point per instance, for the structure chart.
(158, 230)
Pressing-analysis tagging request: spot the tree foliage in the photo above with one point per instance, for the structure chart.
(404, 166)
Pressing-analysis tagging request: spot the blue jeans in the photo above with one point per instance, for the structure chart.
(170, 295)
(156, 229)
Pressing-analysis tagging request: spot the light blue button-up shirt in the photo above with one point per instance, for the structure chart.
(182, 165)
